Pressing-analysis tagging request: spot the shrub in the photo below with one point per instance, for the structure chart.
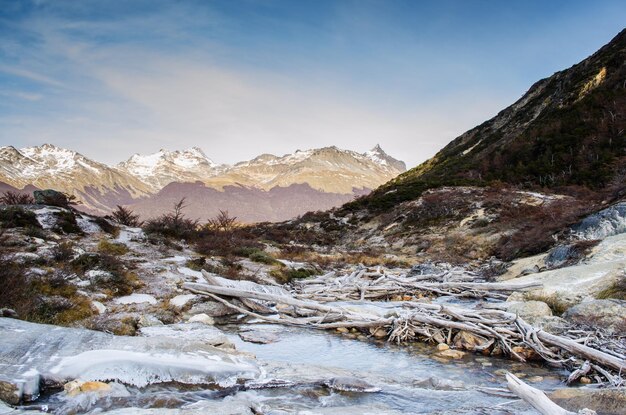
(106, 226)
(221, 236)
(34, 232)
(104, 262)
(617, 290)
(112, 248)
(15, 198)
(17, 292)
(173, 224)
(262, 257)
(63, 252)
(66, 223)
(15, 216)
(196, 264)
(119, 283)
(285, 276)
(55, 198)
(49, 299)
(223, 222)
(125, 216)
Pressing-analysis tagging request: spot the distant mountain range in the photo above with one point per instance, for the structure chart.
(267, 187)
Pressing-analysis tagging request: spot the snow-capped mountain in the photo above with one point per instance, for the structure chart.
(96, 184)
(142, 178)
(163, 167)
(328, 169)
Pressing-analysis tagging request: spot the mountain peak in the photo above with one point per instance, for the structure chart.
(378, 155)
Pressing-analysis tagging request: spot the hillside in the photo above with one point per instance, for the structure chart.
(567, 130)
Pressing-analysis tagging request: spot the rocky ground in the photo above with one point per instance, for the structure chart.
(90, 273)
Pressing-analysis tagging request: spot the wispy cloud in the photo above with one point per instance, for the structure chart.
(30, 75)
(241, 78)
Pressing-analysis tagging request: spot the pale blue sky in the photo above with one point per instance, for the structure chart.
(239, 78)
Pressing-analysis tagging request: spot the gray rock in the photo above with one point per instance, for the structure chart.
(603, 401)
(350, 384)
(147, 320)
(607, 222)
(50, 197)
(532, 270)
(258, 336)
(211, 309)
(607, 314)
(552, 324)
(530, 310)
(427, 268)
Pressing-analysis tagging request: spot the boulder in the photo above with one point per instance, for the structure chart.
(258, 336)
(450, 354)
(552, 324)
(530, 311)
(50, 197)
(607, 314)
(378, 332)
(211, 309)
(468, 341)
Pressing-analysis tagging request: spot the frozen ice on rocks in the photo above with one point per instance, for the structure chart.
(136, 299)
(199, 332)
(25, 257)
(30, 352)
(144, 368)
(98, 274)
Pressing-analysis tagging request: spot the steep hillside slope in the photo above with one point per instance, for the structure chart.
(567, 130)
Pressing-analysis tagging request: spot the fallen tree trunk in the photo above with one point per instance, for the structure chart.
(516, 337)
(537, 399)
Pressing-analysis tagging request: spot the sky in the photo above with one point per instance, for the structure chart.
(239, 78)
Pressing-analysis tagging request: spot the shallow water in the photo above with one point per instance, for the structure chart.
(410, 379)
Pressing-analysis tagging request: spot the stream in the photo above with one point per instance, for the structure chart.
(300, 362)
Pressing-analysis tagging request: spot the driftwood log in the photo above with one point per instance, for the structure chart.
(309, 305)
(537, 399)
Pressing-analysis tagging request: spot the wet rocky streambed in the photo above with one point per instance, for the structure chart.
(277, 370)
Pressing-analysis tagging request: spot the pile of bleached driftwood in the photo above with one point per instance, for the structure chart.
(331, 302)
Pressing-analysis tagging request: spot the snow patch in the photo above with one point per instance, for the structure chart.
(86, 225)
(136, 299)
(45, 216)
(181, 300)
(197, 275)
